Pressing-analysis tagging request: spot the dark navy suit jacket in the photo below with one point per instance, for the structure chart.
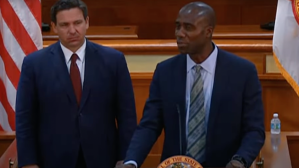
(50, 126)
(236, 119)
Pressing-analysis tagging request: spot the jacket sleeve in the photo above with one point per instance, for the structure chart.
(150, 126)
(126, 112)
(26, 116)
(253, 118)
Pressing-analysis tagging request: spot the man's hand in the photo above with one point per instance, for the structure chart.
(31, 166)
(128, 166)
(235, 164)
(119, 164)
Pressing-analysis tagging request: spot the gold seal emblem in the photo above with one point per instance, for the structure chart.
(179, 162)
(295, 6)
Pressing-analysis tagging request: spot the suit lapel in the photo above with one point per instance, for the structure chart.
(62, 73)
(90, 72)
(179, 83)
(220, 84)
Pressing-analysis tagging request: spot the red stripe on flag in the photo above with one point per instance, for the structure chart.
(1, 129)
(35, 8)
(16, 27)
(12, 71)
(6, 105)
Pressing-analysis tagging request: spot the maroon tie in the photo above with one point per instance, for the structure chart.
(76, 78)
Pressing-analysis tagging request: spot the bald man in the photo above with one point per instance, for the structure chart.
(207, 100)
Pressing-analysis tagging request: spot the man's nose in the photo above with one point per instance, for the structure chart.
(180, 32)
(72, 29)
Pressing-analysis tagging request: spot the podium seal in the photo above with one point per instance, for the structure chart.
(179, 162)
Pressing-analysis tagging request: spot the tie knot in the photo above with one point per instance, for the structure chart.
(74, 58)
(197, 68)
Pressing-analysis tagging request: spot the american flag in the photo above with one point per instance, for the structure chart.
(20, 34)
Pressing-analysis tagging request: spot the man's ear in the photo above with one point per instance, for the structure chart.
(87, 22)
(53, 25)
(209, 31)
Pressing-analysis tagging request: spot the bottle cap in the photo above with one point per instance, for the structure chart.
(275, 115)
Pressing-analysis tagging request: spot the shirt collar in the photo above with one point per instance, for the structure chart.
(68, 53)
(209, 64)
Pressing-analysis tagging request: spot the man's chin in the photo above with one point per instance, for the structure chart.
(182, 51)
(74, 43)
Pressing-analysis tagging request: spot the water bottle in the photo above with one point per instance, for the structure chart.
(275, 124)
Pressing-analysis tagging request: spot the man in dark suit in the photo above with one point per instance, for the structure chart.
(215, 94)
(75, 105)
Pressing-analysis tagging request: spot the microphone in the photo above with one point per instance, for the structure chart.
(180, 128)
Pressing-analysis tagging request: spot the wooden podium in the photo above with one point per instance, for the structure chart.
(284, 156)
(280, 151)
(9, 158)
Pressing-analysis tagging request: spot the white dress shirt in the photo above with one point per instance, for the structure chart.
(80, 62)
(208, 73)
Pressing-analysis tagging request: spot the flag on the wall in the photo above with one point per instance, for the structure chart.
(20, 34)
(286, 41)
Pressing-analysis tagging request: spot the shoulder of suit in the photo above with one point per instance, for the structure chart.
(104, 49)
(173, 60)
(235, 59)
(40, 54)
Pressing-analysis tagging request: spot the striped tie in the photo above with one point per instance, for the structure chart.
(196, 124)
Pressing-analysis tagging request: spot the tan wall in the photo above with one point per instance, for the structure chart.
(147, 63)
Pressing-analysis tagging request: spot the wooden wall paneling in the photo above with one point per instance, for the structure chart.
(257, 11)
(242, 32)
(258, 2)
(9, 157)
(6, 138)
(262, 14)
(155, 18)
(142, 11)
(280, 97)
(4, 144)
(167, 47)
(141, 83)
(101, 33)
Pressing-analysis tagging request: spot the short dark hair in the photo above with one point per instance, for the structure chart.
(65, 5)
